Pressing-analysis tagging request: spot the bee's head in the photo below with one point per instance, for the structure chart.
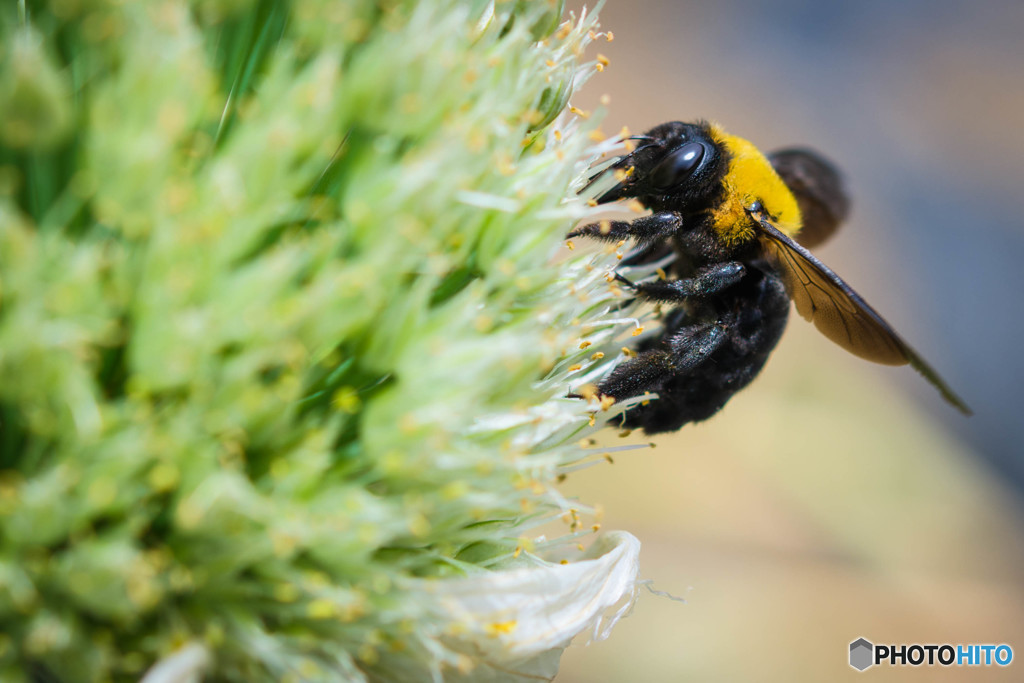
(675, 164)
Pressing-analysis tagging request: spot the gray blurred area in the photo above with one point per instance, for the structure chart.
(834, 499)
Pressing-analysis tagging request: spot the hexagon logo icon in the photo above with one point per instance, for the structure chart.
(861, 654)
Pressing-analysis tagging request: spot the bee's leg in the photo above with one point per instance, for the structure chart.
(686, 349)
(707, 281)
(644, 229)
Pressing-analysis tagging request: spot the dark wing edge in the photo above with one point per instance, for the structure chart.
(818, 189)
(822, 297)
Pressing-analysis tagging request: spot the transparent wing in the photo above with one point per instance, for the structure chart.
(839, 313)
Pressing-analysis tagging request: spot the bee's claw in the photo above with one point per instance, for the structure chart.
(623, 280)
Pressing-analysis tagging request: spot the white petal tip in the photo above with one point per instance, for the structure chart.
(184, 666)
(518, 621)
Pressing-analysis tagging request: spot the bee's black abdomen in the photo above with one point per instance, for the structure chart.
(751, 315)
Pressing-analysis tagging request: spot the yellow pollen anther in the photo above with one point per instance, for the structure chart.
(501, 628)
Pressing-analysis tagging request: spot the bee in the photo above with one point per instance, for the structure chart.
(727, 216)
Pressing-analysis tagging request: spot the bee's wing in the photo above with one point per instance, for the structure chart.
(818, 189)
(839, 313)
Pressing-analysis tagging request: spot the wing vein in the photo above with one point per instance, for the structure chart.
(824, 299)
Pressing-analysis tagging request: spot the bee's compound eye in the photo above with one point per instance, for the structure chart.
(677, 166)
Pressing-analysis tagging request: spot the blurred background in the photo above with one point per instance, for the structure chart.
(835, 499)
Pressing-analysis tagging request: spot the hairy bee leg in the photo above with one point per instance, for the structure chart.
(643, 229)
(686, 350)
(707, 281)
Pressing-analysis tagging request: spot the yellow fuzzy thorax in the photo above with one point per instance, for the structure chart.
(751, 178)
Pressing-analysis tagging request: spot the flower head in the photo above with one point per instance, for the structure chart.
(286, 351)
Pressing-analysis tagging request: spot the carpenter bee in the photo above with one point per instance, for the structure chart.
(729, 215)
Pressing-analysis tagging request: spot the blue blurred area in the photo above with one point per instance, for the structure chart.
(920, 103)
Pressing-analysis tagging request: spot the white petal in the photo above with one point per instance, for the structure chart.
(184, 666)
(516, 622)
